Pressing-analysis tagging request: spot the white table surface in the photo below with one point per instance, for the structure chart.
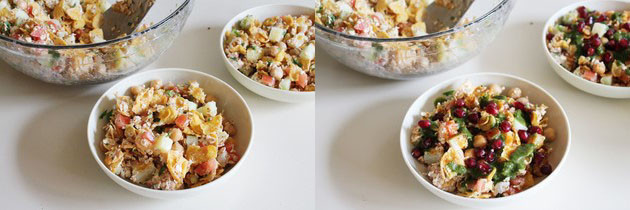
(46, 164)
(359, 165)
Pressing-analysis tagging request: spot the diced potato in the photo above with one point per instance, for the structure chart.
(253, 54)
(276, 34)
(285, 84)
(308, 52)
(537, 140)
(600, 29)
(208, 110)
(163, 144)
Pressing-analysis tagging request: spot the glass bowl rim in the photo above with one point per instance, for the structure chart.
(99, 44)
(415, 38)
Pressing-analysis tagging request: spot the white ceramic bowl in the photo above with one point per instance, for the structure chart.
(229, 102)
(557, 120)
(261, 13)
(578, 82)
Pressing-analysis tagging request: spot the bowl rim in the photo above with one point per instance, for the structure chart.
(225, 59)
(175, 13)
(493, 11)
(552, 20)
(404, 139)
(138, 188)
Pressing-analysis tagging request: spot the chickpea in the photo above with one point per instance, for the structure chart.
(495, 89)
(550, 134)
(176, 134)
(156, 83)
(514, 93)
(135, 90)
(479, 141)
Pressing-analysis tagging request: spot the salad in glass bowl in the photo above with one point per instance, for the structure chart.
(389, 39)
(480, 143)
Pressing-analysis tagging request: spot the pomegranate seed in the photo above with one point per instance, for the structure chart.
(490, 157)
(470, 162)
(483, 166)
(601, 18)
(595, 41)
(535, 129)
(607, 57)
(459, 112)
(427, 143)
(460, 102)
(611, 45)
(610, 32)
(590, 51)
(523, 135)
(424, 123)
(580, 26)
(519, 105)
(438, 116)
(582, 12)
(497, 144)
(480, 153)
(545, 169)
(492, 104)
(549, 36)
(474, 117)
(626, 26)
(492, 108)
(623, 44)
(416, 153)
(505, 126)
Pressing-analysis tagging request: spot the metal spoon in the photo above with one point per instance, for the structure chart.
(117, 22)
(439, 17)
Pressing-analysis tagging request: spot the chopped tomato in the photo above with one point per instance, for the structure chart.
(361, 26)
(353, 3)
(206, 167)
(121, 121)
(57, 69)
(589, 75)
(38, 33)
(268, 80)
(302, 80)
(30, 11)
(229, 146)
(182, 121)
(148, 136)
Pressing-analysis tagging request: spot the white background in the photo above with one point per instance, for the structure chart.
(359, 165)
(45, 162)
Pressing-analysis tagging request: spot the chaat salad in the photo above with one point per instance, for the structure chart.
(168, 137)
(480, 143)
(277, 52)
(66, 23)
(593, 45)
(389, 19)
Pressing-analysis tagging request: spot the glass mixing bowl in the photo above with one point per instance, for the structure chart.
(413, 57)
(104, 61)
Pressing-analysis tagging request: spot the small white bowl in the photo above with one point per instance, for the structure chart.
(229, 102)
(261, 13)
(578, 82)
(557, 120)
